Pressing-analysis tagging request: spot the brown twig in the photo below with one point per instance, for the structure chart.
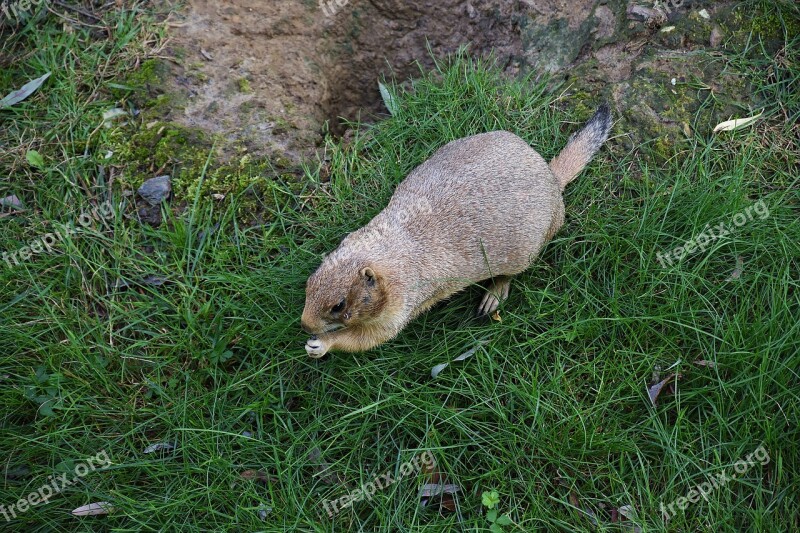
(78, 10)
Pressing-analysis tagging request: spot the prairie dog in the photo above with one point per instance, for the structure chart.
(481, 208)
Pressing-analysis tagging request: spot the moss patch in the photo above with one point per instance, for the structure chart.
(690, 32)
(764, 22)
(183, 153)
(157, 145)
(149, 77)
(244, 86)
(159, 148)
(145, 89)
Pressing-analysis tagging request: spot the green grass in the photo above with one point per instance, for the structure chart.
(553, 404)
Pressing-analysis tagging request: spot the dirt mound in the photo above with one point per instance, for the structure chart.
(272, 73)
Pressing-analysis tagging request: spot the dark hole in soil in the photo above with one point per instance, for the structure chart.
(395, 38)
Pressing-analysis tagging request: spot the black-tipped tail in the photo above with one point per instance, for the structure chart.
(581, 146)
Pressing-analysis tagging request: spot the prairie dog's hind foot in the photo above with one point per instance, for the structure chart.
(496, 293)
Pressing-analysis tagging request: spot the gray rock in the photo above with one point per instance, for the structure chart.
(10, 201)
(156, 190)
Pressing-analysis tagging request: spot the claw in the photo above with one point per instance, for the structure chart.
(488, 305)
(495, 294)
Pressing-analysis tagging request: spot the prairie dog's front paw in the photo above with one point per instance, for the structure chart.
(315, 347)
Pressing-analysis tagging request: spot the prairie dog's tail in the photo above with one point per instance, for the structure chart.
(581, 146)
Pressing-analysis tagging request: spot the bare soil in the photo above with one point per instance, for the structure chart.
(276, 75)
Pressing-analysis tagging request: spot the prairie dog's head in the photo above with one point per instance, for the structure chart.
(342, 293)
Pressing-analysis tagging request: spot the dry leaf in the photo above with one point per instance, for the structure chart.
(573, 499)
(388, 100)
(435, 371)
(113, 114)
(25, 91)
(206, 55)
(735, 124)
(737, 271)
(93, 509)
(159, 446)
(654, 390)
(436, 486)
(703, 362)
(627, 512)
(258, 475)
(429, 489)
(496, 316)
(154, 280)
(575, 502)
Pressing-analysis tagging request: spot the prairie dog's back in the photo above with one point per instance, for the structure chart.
(488, 196)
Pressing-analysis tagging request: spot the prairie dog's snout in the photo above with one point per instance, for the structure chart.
(481, 208)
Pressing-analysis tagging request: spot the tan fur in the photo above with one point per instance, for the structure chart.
(480, 208)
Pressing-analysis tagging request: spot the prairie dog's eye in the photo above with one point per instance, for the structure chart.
(338, 307)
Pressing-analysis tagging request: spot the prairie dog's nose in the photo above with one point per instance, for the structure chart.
(305, 326)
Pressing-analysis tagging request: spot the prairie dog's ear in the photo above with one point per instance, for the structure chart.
(369, 276)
